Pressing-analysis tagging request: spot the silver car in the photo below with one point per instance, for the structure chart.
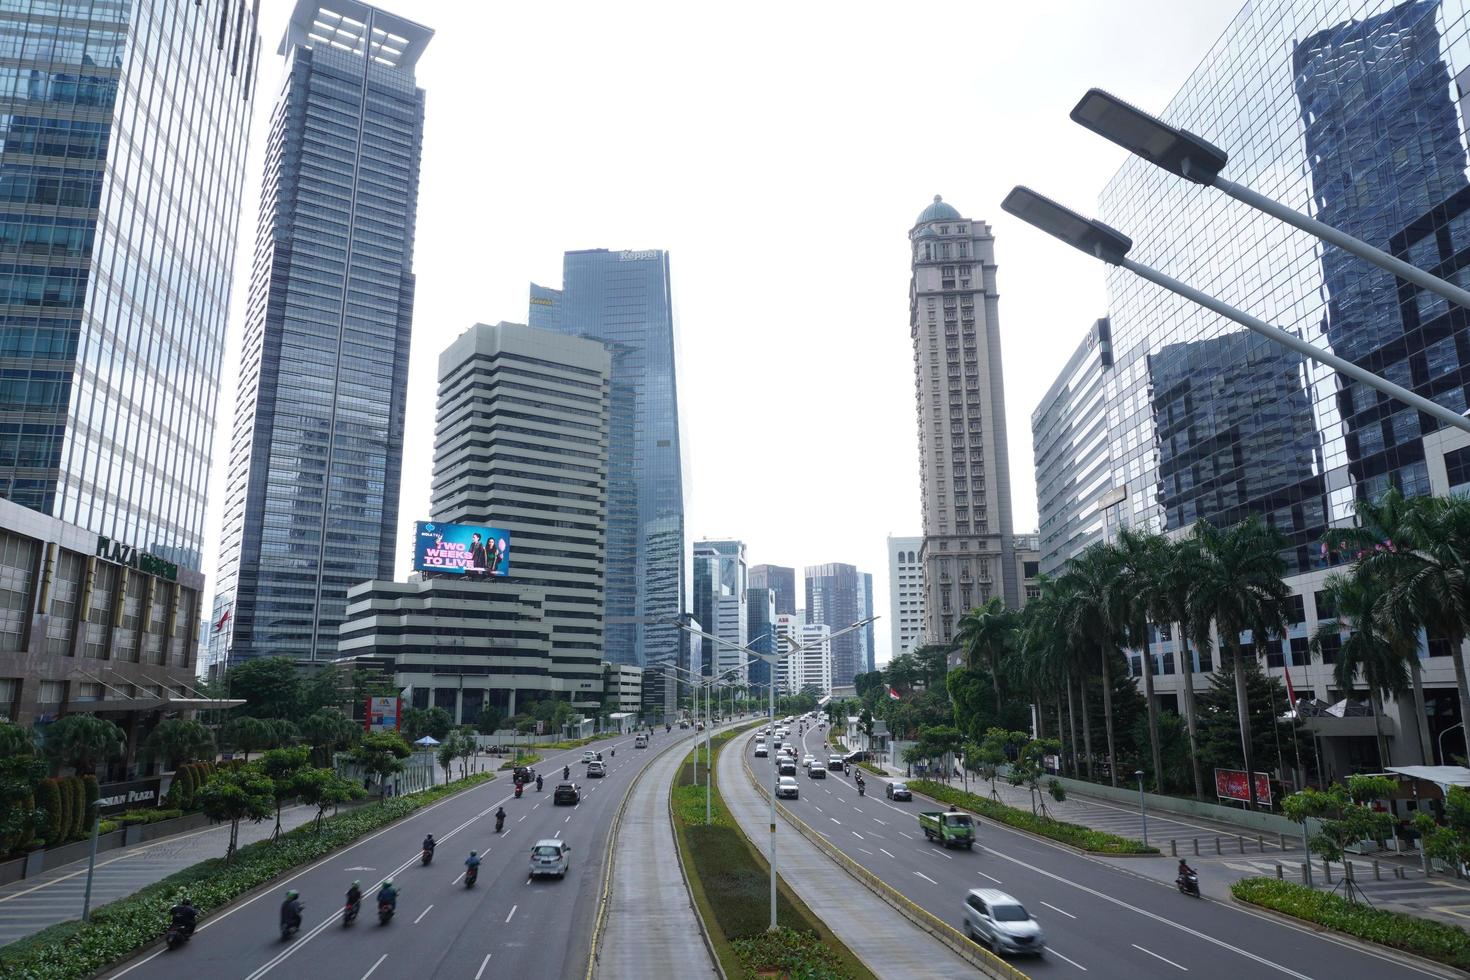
(997, 920)
(549, 857)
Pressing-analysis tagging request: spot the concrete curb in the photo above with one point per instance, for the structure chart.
(1393, 952)
(983, 960)
(607, 869)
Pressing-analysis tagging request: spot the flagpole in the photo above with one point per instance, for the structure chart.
(1291, 698)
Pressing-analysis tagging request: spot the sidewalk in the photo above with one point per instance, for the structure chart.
(887, 943)
(32, 904)
(652, 927)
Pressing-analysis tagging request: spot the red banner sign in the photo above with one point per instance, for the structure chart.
(1230, 785)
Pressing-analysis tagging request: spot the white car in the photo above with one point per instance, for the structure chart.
(760, 750)
(808, 759)
(549, 857)
(787, 787)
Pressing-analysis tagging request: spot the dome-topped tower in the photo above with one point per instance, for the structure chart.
(938, 211)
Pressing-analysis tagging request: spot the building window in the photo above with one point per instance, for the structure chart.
(17, 575)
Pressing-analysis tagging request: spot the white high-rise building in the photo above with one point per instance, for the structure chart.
(906, 593)
(786, 628)
(815, 668)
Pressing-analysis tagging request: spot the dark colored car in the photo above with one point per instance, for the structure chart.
(815, 771)
(899, 791)
(524, 774)
(566, 793)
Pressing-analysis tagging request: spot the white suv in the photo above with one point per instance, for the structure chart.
(787, 787)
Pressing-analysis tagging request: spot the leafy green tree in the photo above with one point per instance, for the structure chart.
(1239, 585)
(491, 720)
(53, 810)
(986, 634)
(438, 722)
(235, 794)
(1448, 842)
(1094, 616)
(180, 740)
(271, 687)
(1219, 720)
(1142, 586)
(1345, 818)
(467, 747)
(1029, 770)
(990, 755)
(284, 732)
(282, 766)
(83, 742)
(247, 734)
(323, 789)
(414, 724)
(1373, 649)
(381, 754)
(21, 770)
(329, 687)
(448, 752)
(326, 730)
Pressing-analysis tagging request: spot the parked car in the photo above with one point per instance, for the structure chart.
(787, 787)
(997, 920)
(816, 772)
(898, 791)
(549, 857)
(859, 756)
(834, 762)
(761, 751)
(566, 793)
(596, 770)
(952, 828)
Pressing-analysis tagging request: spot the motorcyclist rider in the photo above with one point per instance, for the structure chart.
(185, 915)
(566, 772)
(388, 895)
(518, 790)
(354, 893)
(473, 861)
(429, 843)
(499, 819)
(1184, 871)
(291, 909)
(538, 782)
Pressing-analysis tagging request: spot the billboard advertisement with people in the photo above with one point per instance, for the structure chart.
(461, 549)
(1230, 785)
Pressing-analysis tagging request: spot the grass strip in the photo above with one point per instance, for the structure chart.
(526, 759)
(577, 743)
(1433, 940)
(730, 880)
(1084, 838)
(74, 950)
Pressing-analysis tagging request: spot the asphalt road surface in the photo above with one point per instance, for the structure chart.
(1101, 920)
(506, 926)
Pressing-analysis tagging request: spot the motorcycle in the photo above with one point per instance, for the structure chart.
(471, 875)
(428, 855)
(566, 772)
(518, 790)
(499, 822)
(177, 935)
(349, 912)
(1188, 884)
(538, 784)
(385, 912)
(290, 927)
(862, 789)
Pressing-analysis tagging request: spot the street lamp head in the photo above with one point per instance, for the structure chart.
(1087, 234)
(1180, 152)
(1138, 774)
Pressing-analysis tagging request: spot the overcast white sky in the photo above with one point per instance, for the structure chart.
(780, 152)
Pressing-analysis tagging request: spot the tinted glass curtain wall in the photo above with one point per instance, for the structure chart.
(123, 128)
(312, 500)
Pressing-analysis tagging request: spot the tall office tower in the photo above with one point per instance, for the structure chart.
(786, 628)
(760, 618)
(782, 583)
(522, 444)
(835, 598)
(720, 584)
(123, 129)
(816, 668)
(1069, 436)
(870, 634)
(964, 469)
(311, 504)
(625, 300)
(905, 594)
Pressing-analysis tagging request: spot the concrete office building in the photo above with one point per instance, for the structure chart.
(311, 500)
(837, 597)
(622, 688)
(964, 467)
(123, 133)
(1070, 440)
(624, 299)
(720, 584)
(905, 594)
(815, 663)
(782, 583)
(1353, 112)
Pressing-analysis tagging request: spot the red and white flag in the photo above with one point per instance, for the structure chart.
(1290, 691)
(222, 621)
(894, 694)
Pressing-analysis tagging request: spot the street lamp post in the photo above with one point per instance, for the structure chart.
(1111, 246)
(92, 860)
(1142, 806)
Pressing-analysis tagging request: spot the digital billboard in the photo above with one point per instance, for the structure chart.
(461, 549)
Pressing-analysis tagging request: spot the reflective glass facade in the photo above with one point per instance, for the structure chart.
(782, 583)
(123, 128)
(760, 630)
(837, 597)
(625, 300)
(721, 581)
(1349, 111)
(315, 459)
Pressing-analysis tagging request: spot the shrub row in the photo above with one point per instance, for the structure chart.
(73, 950)
(146, 816)
(189, 779)
(1085, 838)
(1424, 937)
(527, 759)
(788, 953)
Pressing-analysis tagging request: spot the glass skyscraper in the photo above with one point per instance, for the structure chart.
(625, 300)
(123, 128)
(312, 501)
(837, 596)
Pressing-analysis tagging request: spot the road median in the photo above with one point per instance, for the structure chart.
(1082, 839)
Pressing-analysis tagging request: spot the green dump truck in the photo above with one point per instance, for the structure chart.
(952, 829)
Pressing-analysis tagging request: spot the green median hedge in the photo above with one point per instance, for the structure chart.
(1423, 937)
(1085, 838)
(74, 950)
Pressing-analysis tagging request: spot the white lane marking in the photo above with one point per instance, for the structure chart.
(883, 822)
(534, 807)
(375, 965)
(512, 911)
(457, 877)
(420, 918)
(926, 877)
(909, 836)
(996, 880)
(1158, 957)
(819, 809)
(483, 963)
(857, 835)
(568, 819)
(835, 820)
(886, 852)
(523, 816)
(866, 851)
(1050, 951)
(556, 835)
(1055, 909)
(1157, 918)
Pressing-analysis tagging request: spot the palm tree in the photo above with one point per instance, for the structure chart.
(1093, 616)
(1373, 647)
(1238, 584)
(83, 742)
(1179, 559)
(1389, 545)
(987, 632)
(1044, 658)
(1141, 589)
(181, 740)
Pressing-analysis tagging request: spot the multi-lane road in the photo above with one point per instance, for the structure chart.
(506, 926)
(1101, 919)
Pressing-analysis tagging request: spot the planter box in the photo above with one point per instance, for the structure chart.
(13, 870)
